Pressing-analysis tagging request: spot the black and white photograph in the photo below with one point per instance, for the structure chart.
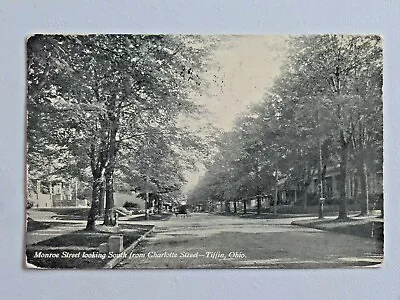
(169, 151)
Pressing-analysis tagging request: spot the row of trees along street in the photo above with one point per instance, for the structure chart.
(324, 109)
(105, 109)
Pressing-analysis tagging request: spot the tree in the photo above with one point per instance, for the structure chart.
(324, 109)
(239, 169)
(104, 89)
(323, 71)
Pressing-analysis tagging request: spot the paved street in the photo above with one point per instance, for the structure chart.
(210, 241)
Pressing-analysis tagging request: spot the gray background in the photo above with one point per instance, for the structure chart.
(21, 18)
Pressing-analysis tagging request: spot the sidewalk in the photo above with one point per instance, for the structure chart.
(62, 227)
(363, 226)
(37, 236)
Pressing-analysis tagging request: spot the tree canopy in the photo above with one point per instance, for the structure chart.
(324, 109)
(98, 104)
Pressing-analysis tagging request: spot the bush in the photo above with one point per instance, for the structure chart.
(29, 204)
(129, 204)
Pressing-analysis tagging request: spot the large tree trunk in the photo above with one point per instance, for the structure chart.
(97, 167)
(364, 188)
(343, 177)
(159, 206)
(258, 204)
(227, 206)
(108, 214)
(92, 216)
(113, 117)
(309, 174)
(101, 198)
(356, 188)
(234, 206)
(245, 206)
(323, 181)
(305, 198)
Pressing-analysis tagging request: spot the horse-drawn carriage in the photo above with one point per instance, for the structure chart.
(182, 211)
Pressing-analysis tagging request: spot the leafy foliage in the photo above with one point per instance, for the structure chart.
(93, 99)
(324, 109)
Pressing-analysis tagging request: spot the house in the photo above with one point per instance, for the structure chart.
(331, 189)
(289, 193)
(56, 193)
(332, 179)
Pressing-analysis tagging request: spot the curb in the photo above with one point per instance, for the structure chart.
(113, 262)
(294, 223)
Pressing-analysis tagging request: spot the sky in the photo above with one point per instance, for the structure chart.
(241, 70)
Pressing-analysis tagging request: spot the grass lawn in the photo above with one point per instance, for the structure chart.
(368, 228)
(68, 213)
(33, 225)
(155, 217)
(268, 216)
(77, 211)
(78, 244)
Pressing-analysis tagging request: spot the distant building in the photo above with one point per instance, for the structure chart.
(56, 194)
(289, 193)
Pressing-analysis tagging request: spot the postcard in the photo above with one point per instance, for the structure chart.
(204, 151)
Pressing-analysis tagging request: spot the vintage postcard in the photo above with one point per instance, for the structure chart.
(204, 151)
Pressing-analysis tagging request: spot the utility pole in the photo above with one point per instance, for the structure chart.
(37, 188)
(76, 192)
(276, 192)
(321, 198)
(51, 194)
(69, 197)
(147, 197)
